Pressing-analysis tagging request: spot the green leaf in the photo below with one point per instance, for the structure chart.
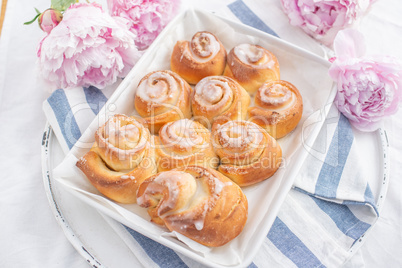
(62, 5)
(37, 11)
(31, 21)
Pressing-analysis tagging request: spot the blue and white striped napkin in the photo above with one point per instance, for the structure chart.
(324, 217)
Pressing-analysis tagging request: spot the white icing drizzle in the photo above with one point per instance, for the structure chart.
(125, 177)
(199, 224)
(124, 139)
(279, 96)
(182, 133)
(199, 194)
(218, 185)
(204, 46)
(202, 199)
(235, 134)
(254, 56)
(188, 199)
(121, 136)
(159, 87)
(178, 183)
(212, 92)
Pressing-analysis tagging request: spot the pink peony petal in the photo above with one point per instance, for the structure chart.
(349, 43)
(368, 88)
(87, 48)
(323, 19)
(147, 17)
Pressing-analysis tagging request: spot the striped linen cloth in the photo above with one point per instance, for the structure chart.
(326, 214)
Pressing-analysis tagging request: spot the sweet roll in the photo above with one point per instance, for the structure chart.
(248, 154)
(121, 158)
(182, 143)
(162, 97)
(218, 99)
(197, 202)
(251, 66)
(203, 56)
(278, 108)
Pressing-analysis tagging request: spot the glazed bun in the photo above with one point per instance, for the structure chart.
(162, 97)
(183, 143)
(278, 108)
(251, 66)
(197, 202)
(247, 153)
(203, 56)
(121, 158)
(218, 99)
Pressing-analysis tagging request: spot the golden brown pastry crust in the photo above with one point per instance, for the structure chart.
(203, 56)
(278, 108)
(120, 160)
(183, 143)
(248, 154)
(218, 99)
(162, 97)
(198, 202)
(251, 66)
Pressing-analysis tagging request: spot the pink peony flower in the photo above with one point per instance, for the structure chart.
(369, 88)
(147, 17)
(322, 19)
(49, 19)
(87, 48)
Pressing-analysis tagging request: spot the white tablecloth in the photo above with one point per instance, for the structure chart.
(29, 233)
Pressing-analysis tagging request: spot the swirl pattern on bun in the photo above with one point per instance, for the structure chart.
(203, 56)
(251, 66)
(278, 108)
(183, 143)
(218, 99)
(162, 97)
(248, 154)
(121, 158)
